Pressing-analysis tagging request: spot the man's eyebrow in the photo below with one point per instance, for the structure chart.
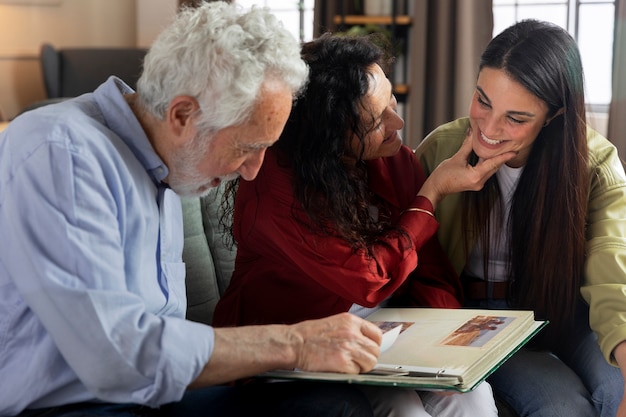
(255, 145)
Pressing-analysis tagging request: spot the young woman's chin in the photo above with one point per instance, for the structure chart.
(485, 151)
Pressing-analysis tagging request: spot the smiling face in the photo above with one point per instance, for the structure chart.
(203, 163)
(379, 112)
(504, 116)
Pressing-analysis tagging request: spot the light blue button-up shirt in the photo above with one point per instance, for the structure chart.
(92, 291)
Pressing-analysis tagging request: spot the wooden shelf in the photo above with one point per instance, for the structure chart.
(401, 22)
(357, 19)
(401, 89)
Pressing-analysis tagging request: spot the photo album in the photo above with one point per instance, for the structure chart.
(438, 349)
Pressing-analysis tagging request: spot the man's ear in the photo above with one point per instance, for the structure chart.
(180, 113)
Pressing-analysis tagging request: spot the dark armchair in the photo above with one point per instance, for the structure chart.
(70, 72)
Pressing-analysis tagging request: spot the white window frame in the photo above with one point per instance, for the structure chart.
(597, 111)
(289, 11)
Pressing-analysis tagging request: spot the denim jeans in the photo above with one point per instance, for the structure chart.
(576, 381)
(281, 399)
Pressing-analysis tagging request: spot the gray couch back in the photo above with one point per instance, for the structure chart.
(70, 72)
(209, 261)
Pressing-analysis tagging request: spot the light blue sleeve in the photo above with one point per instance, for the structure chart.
(84, 248)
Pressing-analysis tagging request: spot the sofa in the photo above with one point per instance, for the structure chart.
(210, 262)
(70, 72)
(208, 258)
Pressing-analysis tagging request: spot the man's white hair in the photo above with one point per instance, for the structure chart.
(221, 56)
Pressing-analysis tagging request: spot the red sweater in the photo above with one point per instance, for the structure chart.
(285, 273)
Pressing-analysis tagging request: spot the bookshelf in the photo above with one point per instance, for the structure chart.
(397, 23)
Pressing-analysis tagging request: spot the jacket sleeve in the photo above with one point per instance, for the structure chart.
(434, 283)
(604, 285)
(330, 261)
(268, 222)
(441, 144)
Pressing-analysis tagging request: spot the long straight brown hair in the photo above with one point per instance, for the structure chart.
(547, 221)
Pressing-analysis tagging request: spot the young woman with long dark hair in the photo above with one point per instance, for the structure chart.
(548, 231)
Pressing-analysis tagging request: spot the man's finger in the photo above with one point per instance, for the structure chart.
(372, 331)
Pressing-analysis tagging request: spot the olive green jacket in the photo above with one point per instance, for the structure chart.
(604, 286)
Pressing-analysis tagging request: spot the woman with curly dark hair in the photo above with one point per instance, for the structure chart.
(341, 211)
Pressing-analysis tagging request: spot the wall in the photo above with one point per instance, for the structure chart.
(152, 16)
(26, 24)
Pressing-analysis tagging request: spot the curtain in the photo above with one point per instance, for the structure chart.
(617, 111)
(446, 39)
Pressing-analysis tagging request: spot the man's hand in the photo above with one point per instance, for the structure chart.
(340, 343)
(455, 174)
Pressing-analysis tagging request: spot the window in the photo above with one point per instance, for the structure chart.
(296, 15)
(591, 23)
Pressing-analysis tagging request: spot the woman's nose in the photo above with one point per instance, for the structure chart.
(396, 122)
(491, 128)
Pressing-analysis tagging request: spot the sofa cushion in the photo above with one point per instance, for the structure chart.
(70, 72)
(222, 252)
(209, 259)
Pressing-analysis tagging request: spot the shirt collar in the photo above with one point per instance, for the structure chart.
(120, 118)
